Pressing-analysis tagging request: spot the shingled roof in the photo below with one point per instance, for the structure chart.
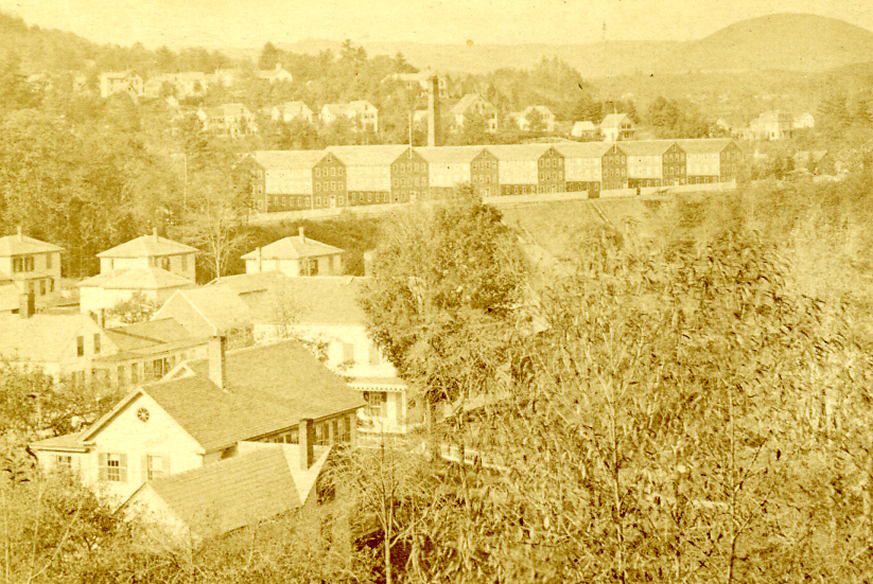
(147, 246)
(449, 154)
(283, 159)
(646, 147)
(293, 247)
(43, 338)
(20, 244)
(704, 145)
(381, 154)
(322, 300)
(137, 279)
(239, 491)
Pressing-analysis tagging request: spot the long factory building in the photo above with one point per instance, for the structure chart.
(348, 176)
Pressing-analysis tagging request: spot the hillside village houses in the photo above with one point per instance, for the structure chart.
(296, 256)
(150, 265)
(474, 104)
(422, 80)
(362, 114)
(584, 130)
(546, 119)
(615, 127)
(228, 119)
(112, 82)
(277, 74)
(180, 85)
(202, 414)
(770, 125)
(27, 265)
(290, 111)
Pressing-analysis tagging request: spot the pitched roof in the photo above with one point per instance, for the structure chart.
(449, 154)
(529, 152)
(147, 246)
(147, 335)
(584, 126)
(704, 145)
(320, 300)
(283, 159)
(543, 110)
(646, 147)
(583, 149)
(293, 247)
(613, 120)
(383, 154)
(42, 338)
(137, 279)
(22, 244)
(468, 101)
(220, 309)
(241, 490)
(269, 388)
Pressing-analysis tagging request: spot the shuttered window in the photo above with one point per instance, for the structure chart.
(113, 467)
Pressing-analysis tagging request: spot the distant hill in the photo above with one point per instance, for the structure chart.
(788, 42)
(591, 60)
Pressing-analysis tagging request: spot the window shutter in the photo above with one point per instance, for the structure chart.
(101, 466)
(122, 467)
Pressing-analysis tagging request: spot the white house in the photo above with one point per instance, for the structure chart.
(362, 114)
(277, 74)
(324, 311)
(228, 119)
(112, 82)
(183, 85)
(616, 127)
(584, 129)
(290, 111)
(151, 266)
(804, 121)
(546, 118)
(296, 256)
(28, 265)
(474, 104)
(201, 413)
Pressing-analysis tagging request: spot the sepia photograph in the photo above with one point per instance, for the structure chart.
(436, 291)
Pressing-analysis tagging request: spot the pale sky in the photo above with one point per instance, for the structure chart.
(251, 23)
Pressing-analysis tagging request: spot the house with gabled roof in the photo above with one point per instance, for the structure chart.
(546, 118)
(200, 413)
(615, 127)
(228, 119)
(112, 82)
(261, 482)
(290, 111)
(149, 266)
(27, 265)
(296, 256)
(361, 113)
(277, 74)
(61, 346)
(473, 104)
(325, 312)
(584, 130)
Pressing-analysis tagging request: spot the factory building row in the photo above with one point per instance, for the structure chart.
(348, 176)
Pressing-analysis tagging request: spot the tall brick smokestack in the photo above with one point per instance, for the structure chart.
(434, 121)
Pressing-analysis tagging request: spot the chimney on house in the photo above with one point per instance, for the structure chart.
(20, 234)
(300, 232)
(216, 356)
(305, 442)
(260, 259)
(155, 233)
(26, 304)
(434, 122)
